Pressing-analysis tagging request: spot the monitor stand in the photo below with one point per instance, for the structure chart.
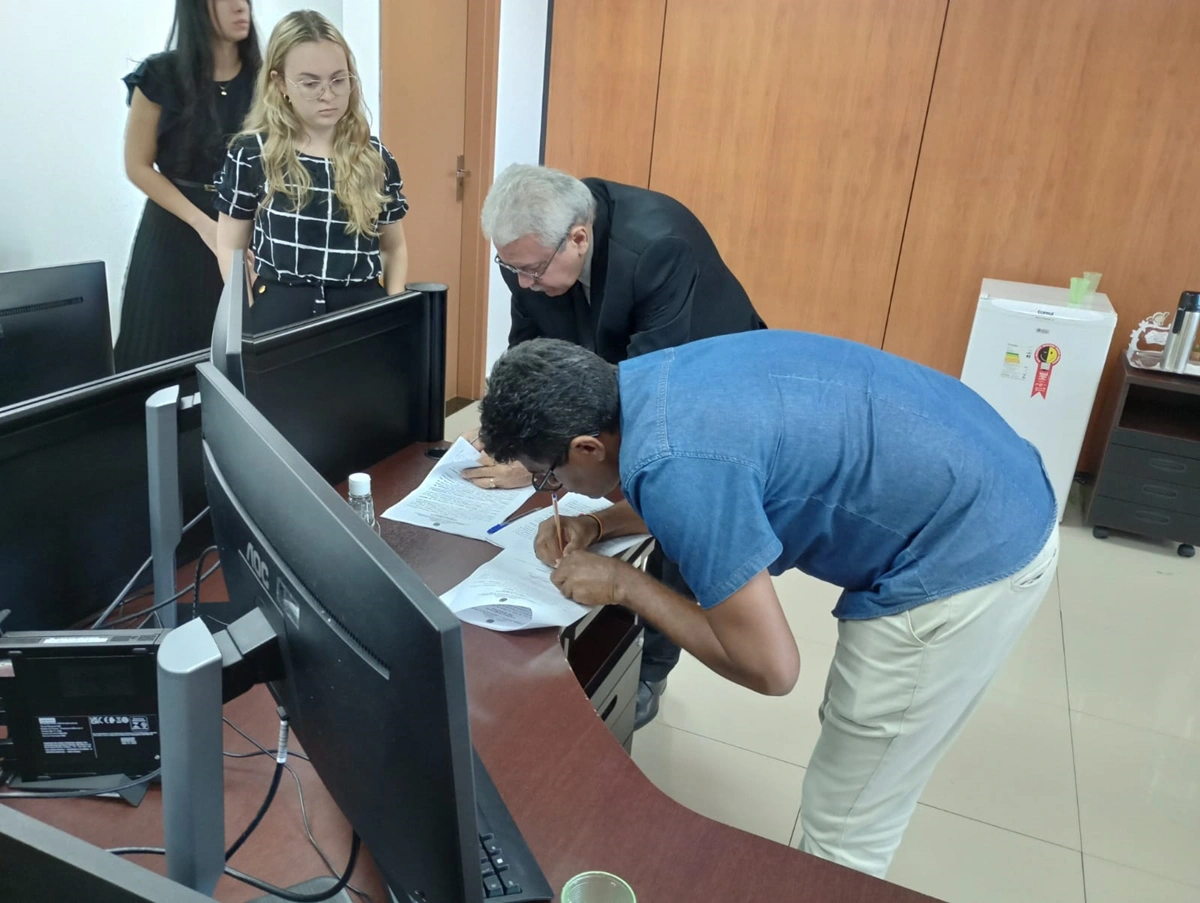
(166, 504)
(99, 784)
(312, 886)
(197, 673)
(164, 411)
(190, 746)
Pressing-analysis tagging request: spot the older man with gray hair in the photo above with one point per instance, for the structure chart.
(621, 271)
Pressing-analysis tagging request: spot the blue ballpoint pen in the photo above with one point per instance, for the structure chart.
(510, 519)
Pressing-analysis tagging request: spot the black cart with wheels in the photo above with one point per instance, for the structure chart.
(1149, 478)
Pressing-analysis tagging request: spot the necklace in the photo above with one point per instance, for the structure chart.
(223, 86)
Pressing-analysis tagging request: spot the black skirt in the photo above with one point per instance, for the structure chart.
(172, 288)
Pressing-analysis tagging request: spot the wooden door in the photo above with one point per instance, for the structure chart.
(438, 112)
(603, 87)
(791, 128)
(1062, 137)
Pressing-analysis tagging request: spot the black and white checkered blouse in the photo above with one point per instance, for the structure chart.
(312, 245)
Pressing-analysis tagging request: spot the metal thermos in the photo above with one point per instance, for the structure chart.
(1182, 337)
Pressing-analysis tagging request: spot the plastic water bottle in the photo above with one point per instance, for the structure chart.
(360, 498)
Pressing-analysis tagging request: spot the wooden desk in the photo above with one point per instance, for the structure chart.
(579, 800)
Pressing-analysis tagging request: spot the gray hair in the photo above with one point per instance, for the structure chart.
(535, 200)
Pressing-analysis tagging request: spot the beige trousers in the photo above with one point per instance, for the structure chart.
(899, 691)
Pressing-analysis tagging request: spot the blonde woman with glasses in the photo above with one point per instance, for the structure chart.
(307, 186)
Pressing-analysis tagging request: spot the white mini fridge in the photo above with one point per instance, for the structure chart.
(1037, 359)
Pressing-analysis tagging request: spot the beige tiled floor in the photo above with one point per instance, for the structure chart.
(1077, 779)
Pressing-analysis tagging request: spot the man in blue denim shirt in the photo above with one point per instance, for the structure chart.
(750, 454)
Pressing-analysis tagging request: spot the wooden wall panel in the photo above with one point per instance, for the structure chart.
(423, 123)
(479, 147)
(604, 60)
(791, 128)
(1063, 136)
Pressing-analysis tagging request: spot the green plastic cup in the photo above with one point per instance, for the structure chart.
(597, 887)
(1078, 290)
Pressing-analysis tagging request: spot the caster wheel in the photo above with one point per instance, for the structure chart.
(1101, 532)
(1186, 551)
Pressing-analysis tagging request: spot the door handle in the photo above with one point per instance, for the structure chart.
(608, 709)
(1162, 492)
(1168, 466)
(1153, 517)
(460, 176)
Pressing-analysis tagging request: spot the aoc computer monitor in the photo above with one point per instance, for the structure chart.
(374, 681)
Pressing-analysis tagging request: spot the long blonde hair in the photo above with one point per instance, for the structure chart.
(358, 169)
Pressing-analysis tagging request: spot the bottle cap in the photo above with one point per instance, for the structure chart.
(1189, 301)
(360, 484)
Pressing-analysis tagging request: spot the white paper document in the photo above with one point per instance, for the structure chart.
(445, 501)
(512, 592)
(521, 534)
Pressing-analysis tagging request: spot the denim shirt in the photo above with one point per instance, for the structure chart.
(781, 450)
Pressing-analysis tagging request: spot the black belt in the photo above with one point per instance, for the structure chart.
(184, 183)
(318, 288)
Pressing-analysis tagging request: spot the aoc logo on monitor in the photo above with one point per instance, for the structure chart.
(258, 567)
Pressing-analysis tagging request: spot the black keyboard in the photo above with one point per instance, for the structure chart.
(507, 867)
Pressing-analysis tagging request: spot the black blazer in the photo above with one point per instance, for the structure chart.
(657, 282)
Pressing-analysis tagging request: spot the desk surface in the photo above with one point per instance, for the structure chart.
(579, 800)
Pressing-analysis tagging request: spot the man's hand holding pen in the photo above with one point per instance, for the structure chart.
(578, 534)
(591, 579)
(580, 575)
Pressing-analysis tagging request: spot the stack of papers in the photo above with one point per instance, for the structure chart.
(445, 501)
(520, 534)
(512, 591)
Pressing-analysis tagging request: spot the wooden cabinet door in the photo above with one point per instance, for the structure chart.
(791, 128)
(604, 57)
(1063, 136)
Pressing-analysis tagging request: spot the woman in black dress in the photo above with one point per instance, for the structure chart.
(183, 106)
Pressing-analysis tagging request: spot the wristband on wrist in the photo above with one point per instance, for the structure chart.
(599, 523)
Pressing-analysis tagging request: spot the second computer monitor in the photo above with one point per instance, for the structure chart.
(227, 326)
(54, 330)
(350, 388)
(44, 863)
(74, 512)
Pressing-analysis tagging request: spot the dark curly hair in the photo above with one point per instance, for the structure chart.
(544, 393)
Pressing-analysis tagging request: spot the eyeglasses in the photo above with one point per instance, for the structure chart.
(535, 276)
(313, 88)
(548, 481)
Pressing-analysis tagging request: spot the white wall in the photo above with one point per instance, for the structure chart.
(61, 63)
(67, 198)
(519, 85)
